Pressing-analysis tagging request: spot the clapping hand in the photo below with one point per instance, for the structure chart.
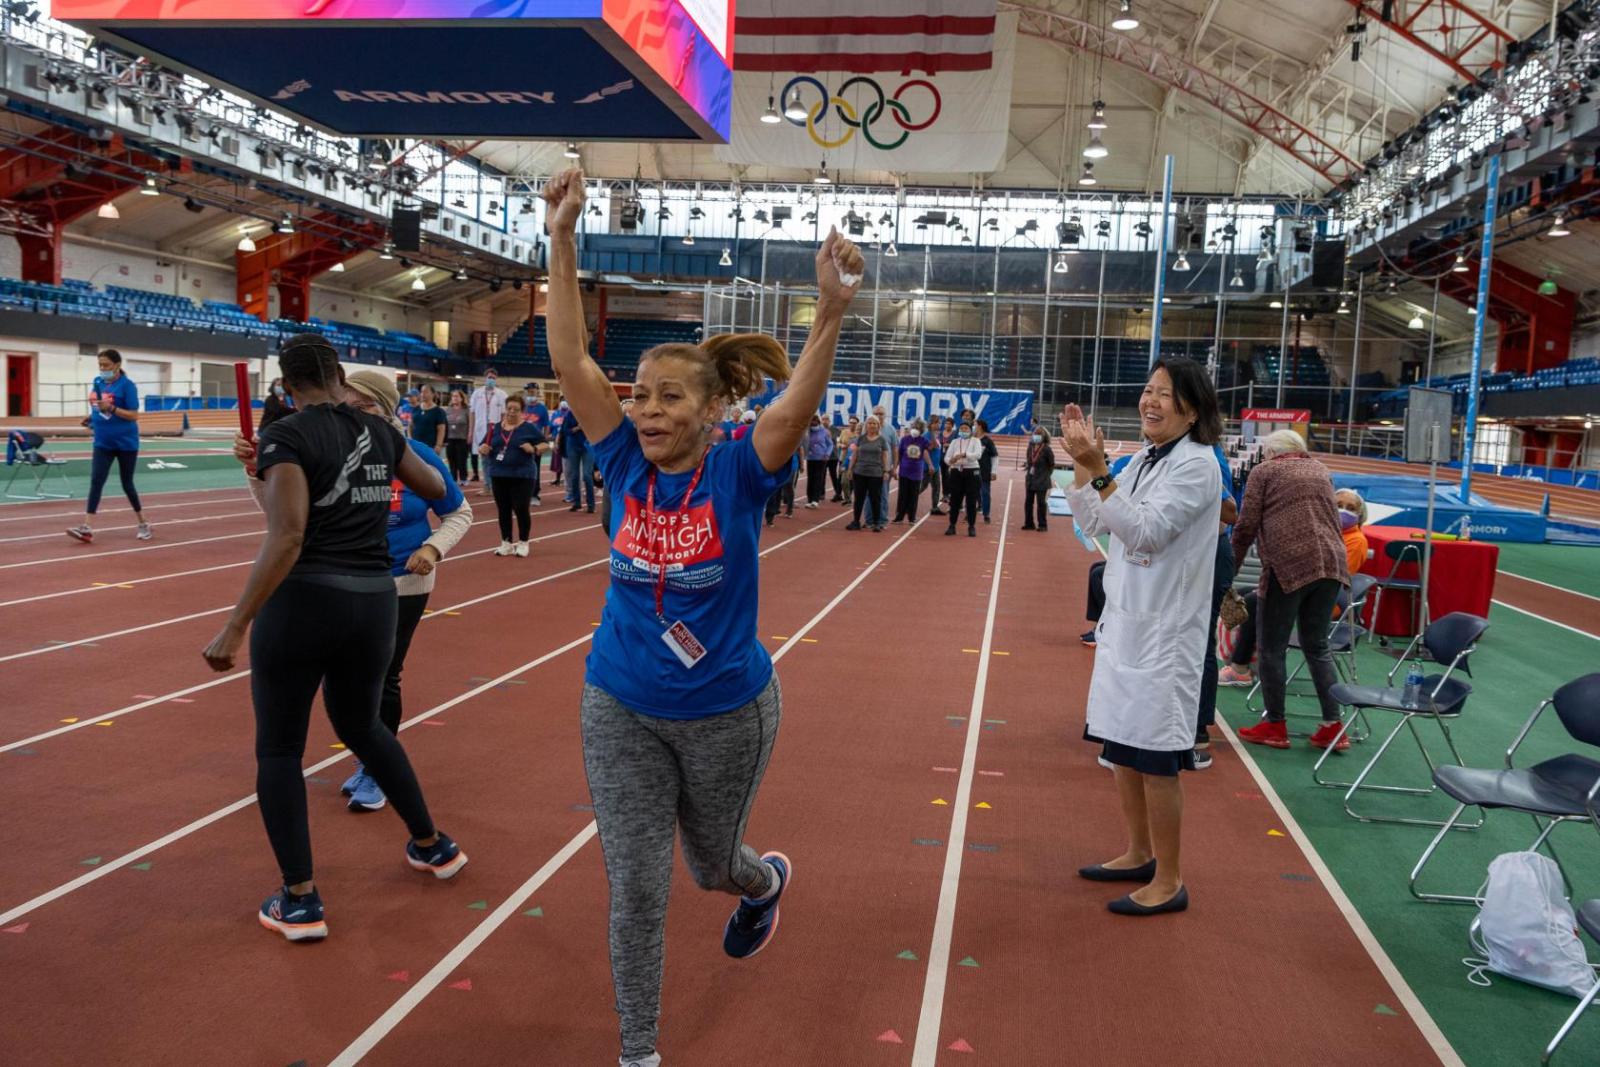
(1085, 442)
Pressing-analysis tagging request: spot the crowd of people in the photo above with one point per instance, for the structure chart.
(365, 491)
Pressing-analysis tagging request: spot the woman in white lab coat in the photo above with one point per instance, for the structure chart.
(1144, 697)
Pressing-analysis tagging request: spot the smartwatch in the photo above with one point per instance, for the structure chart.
(1100, 484)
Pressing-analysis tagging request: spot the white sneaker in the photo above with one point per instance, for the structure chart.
(536, 502)
(652, 1060)
(145, 533)
(505, 549)
(522, 548)
(811, 503)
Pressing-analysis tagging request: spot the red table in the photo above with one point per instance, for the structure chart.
(1461, 578)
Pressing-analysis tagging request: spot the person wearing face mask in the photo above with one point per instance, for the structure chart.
(1041, 464)
(1352, 517)
(1289, 515)
(681, 705)
(415, 549)
(1144, 696)
(511, 457)
(114, 417)
(913, 459)
(819, 451)
(275, 406)
(963, 454)
(457, 434)
(320, 608)
(486, 407)
(872, 458)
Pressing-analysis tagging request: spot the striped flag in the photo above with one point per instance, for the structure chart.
(832, 35)
(911, 88)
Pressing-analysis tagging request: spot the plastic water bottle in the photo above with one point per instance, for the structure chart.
(1466, 528)
(1411, 696)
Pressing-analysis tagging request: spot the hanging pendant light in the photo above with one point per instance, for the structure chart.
(337, 268)
(386, 252)
(571, 151)
(108, 210)
(1344, 306)
(1182, 264)
(1061, 264)
(1548, 286)
(1125, 20)
(793, 109)
(149, 188)
(727, 258)
(771, 116)
(1237, 281)
(1097, 121)
(891, 251)
(417, 284)
(1095, 149)
(1087, 177)
(688, 238)
(246, 245)
(1557, 228)
(1461, 264)
(1416, 321)
(822, 175)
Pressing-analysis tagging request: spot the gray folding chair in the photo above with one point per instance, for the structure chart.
(1401, 552)
(1556, 790)
(1450, 641)
(1589, 919)
(25, 452)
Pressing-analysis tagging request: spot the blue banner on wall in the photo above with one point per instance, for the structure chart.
(1007, 411)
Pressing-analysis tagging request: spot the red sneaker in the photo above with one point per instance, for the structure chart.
(1271, 734)
(1324, 737)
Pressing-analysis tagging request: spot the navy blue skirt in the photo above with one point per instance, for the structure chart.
(1144, 760)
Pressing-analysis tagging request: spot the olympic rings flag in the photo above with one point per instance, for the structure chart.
(917, 91)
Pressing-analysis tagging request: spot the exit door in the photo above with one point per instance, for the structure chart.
(19, 386)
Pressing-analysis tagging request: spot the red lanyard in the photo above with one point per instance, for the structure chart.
(650, 521)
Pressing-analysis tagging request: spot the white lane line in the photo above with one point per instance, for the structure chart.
(1547, 585)
(122, 511)
(63, 646)
(1402, 991)
(57, 515)
(58, 534)
(222, 567)
(157, 547)
(141, 705)
(238, 805)
(1542, 618)
(397, 1012)
(926, 1048)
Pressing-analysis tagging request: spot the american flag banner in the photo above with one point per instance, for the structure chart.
(912, 87)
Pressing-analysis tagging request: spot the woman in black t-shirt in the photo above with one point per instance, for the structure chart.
(323, 608)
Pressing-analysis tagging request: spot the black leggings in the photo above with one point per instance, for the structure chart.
(906, 506)
(863, 487)
(833, 476)
(455, 449)
(1097, 591)
(511, 496)
(963, 488)
(783, 498)
(100, 470)
(408, 614)
(816, 480)
(337, 633)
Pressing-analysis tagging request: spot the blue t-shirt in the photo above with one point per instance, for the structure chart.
(408, 512)
(712, 580)
(112, 431)
(517, 463)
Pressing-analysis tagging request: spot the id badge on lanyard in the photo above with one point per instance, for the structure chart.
(677, 635)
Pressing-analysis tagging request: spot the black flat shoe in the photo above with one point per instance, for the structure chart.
(1129, 906)
(1098, 873)
(971, 532)
(950, 531)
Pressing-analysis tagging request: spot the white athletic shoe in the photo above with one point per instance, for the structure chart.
(522, 548)
(652, 1060)
(145, 533)
(535, 502)
(505, 549)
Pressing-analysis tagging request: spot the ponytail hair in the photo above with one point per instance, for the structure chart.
(730, 366)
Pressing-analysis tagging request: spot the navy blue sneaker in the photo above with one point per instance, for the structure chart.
(444, 857)
(753, 922)
(366, 796)
(296, 918)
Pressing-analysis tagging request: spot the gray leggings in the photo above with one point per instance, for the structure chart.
(648, 777)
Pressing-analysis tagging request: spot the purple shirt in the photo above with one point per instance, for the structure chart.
(914, 457)
(819, 443)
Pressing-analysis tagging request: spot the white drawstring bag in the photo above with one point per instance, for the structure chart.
(1527, 929)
